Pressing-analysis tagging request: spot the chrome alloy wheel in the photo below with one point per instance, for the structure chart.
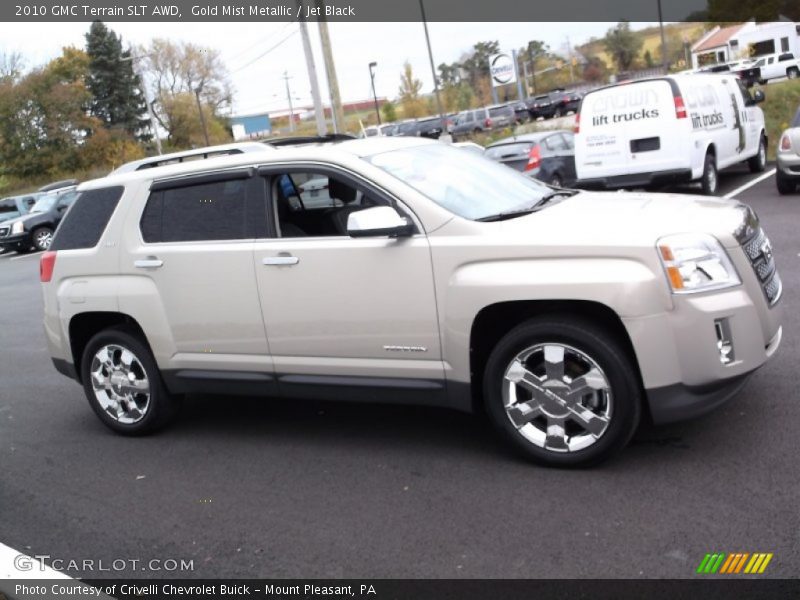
(43, 239)
(120, 384)
(557, 397)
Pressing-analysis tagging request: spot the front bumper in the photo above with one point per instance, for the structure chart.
(788, 164)
(14, 240)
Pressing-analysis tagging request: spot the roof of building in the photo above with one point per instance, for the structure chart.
(716, 39)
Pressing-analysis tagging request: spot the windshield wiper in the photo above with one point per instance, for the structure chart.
(511, 214)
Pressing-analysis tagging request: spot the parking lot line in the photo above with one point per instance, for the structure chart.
(750, 184)
(18, 565)
(21, 256)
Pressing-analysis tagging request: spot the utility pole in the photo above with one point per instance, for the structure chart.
(319, 111)
(330, 73)
(286, 78)
(664, 61)
(202, 116)
(569, 54)
(525, 74)
(520, 95)
(433, 72)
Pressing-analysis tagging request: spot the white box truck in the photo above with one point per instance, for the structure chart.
(666, 130)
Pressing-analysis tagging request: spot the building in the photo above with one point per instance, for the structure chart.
(247, 127)
(750, 39)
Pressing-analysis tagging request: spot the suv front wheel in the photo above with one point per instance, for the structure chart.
(562, 391)
(123, 384)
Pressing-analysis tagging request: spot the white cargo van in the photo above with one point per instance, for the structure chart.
(666, 130)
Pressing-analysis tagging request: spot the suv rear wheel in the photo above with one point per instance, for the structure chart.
(123, 384)
(562, 391)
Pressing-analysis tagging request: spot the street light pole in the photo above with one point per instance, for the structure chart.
(372, 66)
(433, 71)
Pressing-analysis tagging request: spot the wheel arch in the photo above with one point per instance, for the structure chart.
(496, 320)
(84, 326)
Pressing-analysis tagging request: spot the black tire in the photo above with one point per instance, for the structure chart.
(163, 406)
(758, 163)
(604, 350)
(709, 181)
(556, 181)
(41, 238)
(784, 184)
(792, 73)
(557, 113)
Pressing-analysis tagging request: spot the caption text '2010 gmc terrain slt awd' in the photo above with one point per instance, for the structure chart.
(405, 270)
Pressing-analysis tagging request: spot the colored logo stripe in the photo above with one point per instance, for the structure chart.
(737, 562)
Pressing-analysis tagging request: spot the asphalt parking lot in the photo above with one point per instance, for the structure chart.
(275, 488)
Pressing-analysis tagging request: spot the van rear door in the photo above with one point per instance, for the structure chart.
(629, 128)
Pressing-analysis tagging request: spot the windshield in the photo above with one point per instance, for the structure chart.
(45, 203)
(464, 183)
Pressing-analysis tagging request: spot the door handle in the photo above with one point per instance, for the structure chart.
(281, 259)
(151, 262)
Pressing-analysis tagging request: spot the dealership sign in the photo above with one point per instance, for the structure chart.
(501, 67)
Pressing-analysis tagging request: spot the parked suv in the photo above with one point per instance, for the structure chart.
(433, 276)
(35, 229)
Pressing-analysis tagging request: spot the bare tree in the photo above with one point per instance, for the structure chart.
(11, 65)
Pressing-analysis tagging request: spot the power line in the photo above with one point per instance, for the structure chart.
(263, 54)
(260, 41)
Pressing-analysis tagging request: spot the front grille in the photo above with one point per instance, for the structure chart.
(4, 231)
(758, 249)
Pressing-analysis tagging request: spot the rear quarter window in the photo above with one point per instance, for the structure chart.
(84, 223)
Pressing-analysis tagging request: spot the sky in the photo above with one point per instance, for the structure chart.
(258, 54)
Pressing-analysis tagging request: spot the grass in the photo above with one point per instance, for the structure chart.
(782, 100)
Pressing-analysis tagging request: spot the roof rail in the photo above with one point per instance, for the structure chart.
(310, 139)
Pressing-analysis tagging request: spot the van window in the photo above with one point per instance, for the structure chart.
(784, 57)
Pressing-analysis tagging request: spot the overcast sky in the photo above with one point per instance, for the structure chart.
(257, 80)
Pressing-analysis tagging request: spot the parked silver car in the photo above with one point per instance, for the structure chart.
(787, 174)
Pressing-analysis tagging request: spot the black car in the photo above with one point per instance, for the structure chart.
(556, 103)
(407, 128)
(36, 229)
(520, 111)
(548, 156)
(433, 127)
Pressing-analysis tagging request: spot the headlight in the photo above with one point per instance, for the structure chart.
(696, 263)
(18, 227)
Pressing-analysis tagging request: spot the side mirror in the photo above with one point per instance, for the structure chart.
(378, 221)
(758, 96)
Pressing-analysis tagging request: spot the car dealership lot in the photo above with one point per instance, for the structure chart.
(260, 488)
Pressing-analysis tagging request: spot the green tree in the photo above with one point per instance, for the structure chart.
(389, 111)
(43, 121)
(477, 63)
(623, 45)
(409, 93)
(117, 100)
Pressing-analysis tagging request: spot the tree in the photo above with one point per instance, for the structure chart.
(389, 111)
(622, 45)
(178, 71)
(117, 100)
(43, 120)
(477, 63)
(409, 93)
(648, 59)
(11, 65)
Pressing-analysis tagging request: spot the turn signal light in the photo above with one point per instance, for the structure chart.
(786, 143)
(680, 108)
(534, 158)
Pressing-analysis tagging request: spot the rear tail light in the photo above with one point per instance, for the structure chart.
(488, 122)
(577, 127)
(46, 264)
(534, 158)
(680, 108)
(786, 142)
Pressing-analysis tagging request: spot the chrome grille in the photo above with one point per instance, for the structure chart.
(759, 251)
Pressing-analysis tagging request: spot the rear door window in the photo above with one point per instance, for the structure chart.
(227, 209)
(86, 221)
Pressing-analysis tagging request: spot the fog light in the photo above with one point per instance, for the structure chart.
(724, 341)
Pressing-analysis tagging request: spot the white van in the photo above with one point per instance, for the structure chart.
(672, 129)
